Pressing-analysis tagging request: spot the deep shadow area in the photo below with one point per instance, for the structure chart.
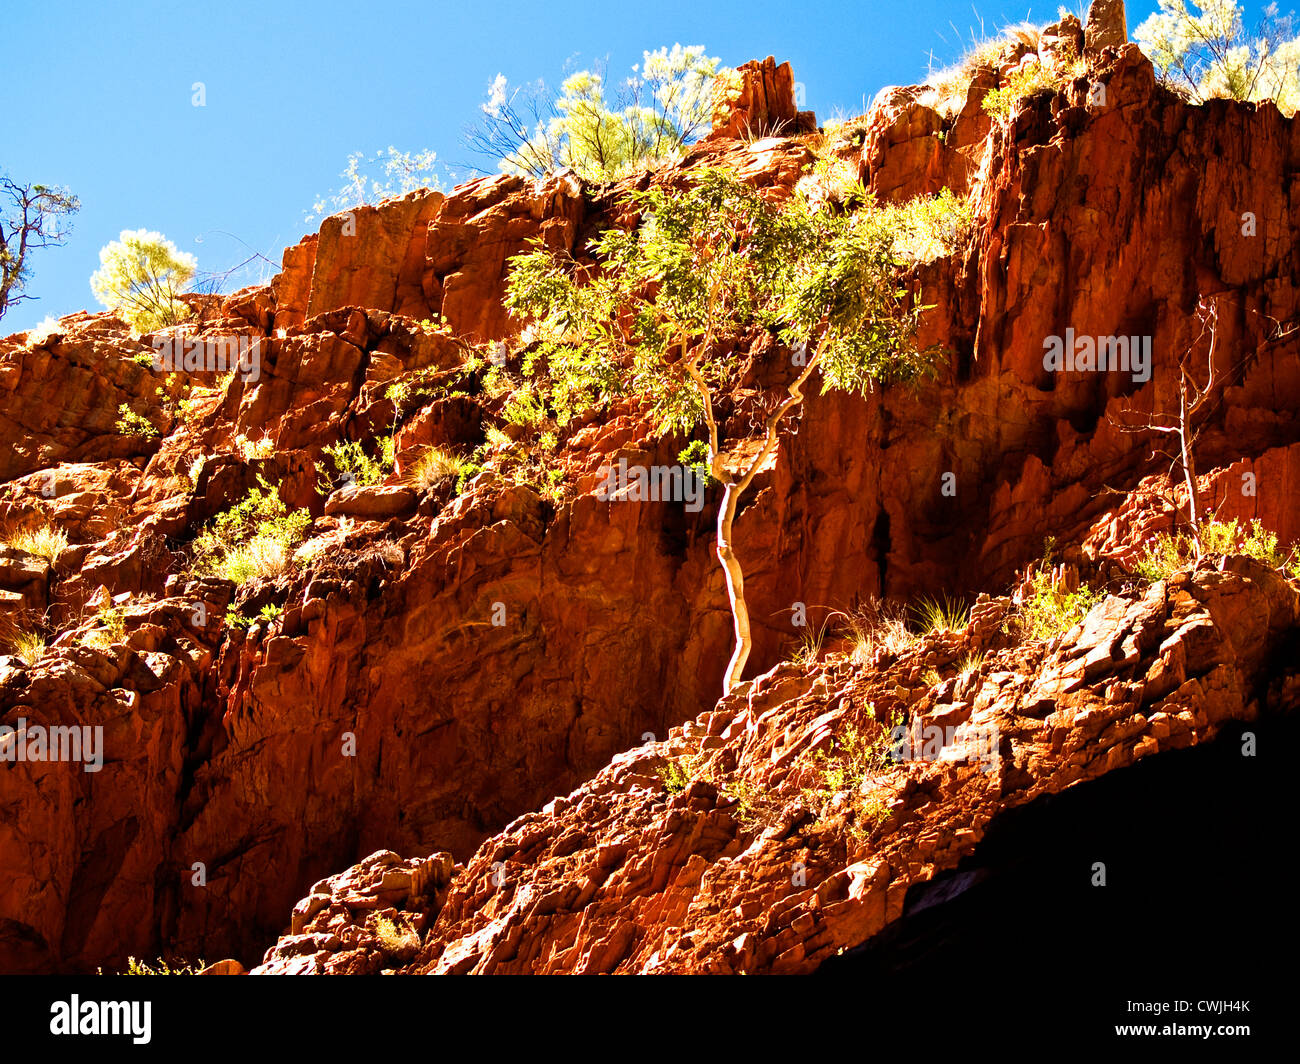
(1199, 901)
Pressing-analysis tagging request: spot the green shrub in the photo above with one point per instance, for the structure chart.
(468, 471)
(524, 409)
(855, 756)
(254, 538)
(677, 772)
(1048, 611)
(1024, 82)
(664, 106)
(696, 455)
(130, 423)
(357, 468)
(140, 278)
(928, 227)
(1170, 553)
(946, 88)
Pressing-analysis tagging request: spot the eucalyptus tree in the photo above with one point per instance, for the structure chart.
(661, 309)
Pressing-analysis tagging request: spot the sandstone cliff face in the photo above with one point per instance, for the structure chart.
(226, 748)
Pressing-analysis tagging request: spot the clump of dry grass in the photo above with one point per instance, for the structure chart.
(878, 625)
(29, 646)
(44, 541)
(946, 88)
(434, 468)
(261, 556)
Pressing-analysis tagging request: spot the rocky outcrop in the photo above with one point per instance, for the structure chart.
(428, 255)
(363, 921)
(760, 103)
(1107, 26)
(741, 871)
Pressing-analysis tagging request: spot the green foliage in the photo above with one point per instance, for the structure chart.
(355, 466)
(855, 757)
(1022, 83)
(111, 622)
(696, 455)
(1209, 54)
(178, 406)
(401, 172)
(1167, 554)
(526, 409)
(677, 772)
(705, 264)
(1049, 610)
(140, 278)
(32, 218)
(747, 796)
(468, 471)
(253, 538)
(271, 611)
(947, 88)
(238, 620)
(664, 106)
(129, 423)
(928, 227)
(161, 967)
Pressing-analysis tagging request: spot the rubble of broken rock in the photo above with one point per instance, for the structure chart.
(739, 872)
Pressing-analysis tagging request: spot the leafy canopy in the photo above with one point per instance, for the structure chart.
(1209, 54)
(656, 312)
(141, 277)
(601, 132)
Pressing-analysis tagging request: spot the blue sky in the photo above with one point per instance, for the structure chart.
(104, 93)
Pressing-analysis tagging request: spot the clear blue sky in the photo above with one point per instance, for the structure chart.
(99, 96)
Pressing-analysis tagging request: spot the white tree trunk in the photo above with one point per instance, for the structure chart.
(727, 515)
